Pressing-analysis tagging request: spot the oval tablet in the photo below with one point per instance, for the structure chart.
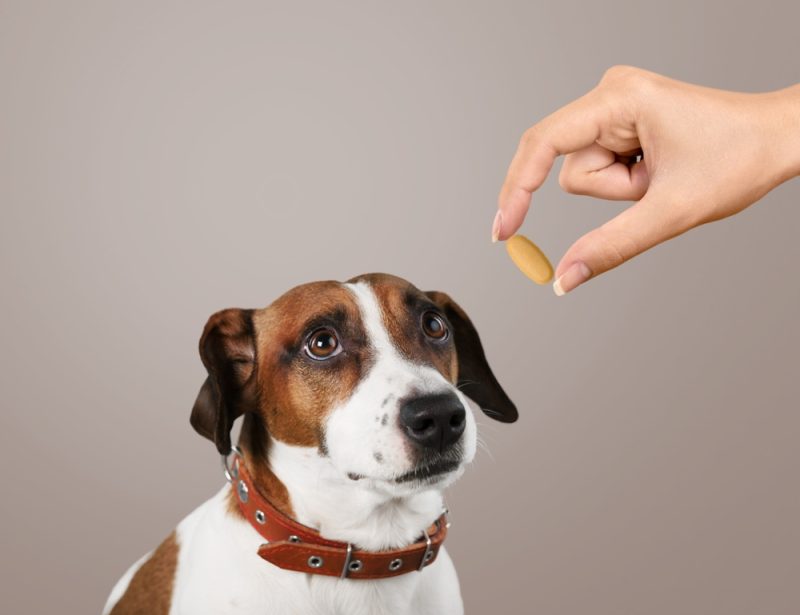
(530, 259)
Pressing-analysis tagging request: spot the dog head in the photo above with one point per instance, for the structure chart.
(372, 373)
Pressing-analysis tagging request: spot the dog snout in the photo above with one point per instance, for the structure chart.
(434, 421)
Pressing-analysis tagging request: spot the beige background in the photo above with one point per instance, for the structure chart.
(159, 162)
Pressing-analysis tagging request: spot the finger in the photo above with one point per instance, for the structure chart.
(596, 171)
(647, 223)
(569, 129)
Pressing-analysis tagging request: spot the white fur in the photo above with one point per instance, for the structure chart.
(219, 571)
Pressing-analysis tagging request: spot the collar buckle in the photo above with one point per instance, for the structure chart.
(347, 560)
(428, 552)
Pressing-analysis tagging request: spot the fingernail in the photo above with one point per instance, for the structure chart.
(573, 277)
(497, 226)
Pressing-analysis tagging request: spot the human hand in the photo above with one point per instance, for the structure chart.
(706, 154)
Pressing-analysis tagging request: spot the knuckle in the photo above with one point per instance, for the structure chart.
(618, 247)
(615, 253)
(530, 137)
(627, 79)
(569, 181)
(535, 140)
(625, 84)
(620, 72)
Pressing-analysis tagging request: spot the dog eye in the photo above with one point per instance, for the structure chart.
(434, 326)
(323, 344)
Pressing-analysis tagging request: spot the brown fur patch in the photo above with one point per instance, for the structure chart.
(150, 589)
(296, 391)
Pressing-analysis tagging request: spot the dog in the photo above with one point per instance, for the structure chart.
(355, 418)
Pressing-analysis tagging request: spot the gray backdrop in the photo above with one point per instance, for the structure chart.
(159, 162)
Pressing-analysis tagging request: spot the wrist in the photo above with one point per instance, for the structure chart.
(786, 118)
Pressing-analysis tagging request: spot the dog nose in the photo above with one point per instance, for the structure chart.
(434, 421)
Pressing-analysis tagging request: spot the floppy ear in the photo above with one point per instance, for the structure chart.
(227, 348)
(475, 377)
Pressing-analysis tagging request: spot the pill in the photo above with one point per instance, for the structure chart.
(530, 259)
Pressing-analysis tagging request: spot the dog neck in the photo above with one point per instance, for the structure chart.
(303, 484)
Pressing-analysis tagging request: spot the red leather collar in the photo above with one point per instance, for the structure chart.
(293, 546)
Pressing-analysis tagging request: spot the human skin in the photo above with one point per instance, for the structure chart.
(706, 154)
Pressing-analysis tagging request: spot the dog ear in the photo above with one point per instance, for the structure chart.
(475, 377)
(227, 348)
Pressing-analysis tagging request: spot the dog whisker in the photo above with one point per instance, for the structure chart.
(483, 445)
(491, 412)
(464, 383)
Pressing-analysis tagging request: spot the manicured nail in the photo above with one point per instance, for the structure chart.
(573, 277)
(497, 226)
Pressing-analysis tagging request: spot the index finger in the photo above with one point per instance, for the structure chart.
(569, 129)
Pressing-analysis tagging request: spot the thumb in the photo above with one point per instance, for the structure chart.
(647, 223)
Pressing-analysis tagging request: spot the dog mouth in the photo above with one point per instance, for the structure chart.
(429, 471)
